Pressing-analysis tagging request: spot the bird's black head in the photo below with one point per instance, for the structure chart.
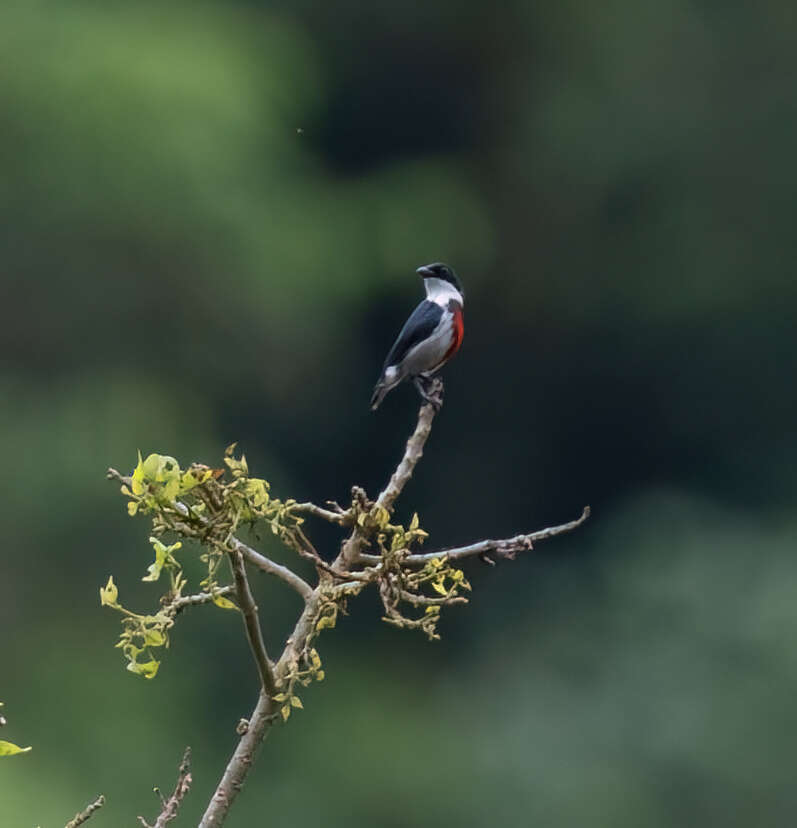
(438, 270)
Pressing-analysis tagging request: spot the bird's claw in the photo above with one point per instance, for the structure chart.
(431, 391)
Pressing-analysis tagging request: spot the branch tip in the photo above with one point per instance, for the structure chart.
(86, 813)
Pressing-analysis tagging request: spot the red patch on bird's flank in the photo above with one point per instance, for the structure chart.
(458, 323)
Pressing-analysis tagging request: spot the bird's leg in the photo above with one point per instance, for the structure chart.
(430, 389)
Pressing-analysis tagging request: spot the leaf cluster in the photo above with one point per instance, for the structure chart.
(209, 506)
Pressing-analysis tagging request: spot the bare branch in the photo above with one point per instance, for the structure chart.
(272, 568)
(351, 549)
(184, 601)
(507, 548)
(170, 806)
(112, 474)
(260, 723)
(418, 600)
(341, 517)
(252, 623)
(85, 814)
(239, 765)
(414, 450)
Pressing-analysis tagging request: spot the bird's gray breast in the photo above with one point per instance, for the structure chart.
(429, 353)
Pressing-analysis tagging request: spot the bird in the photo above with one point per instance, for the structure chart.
(429, 338)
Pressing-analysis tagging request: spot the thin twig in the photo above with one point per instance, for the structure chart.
(506, 548)
(252, 623)
(413, 452)
(351, 549)
(113, 474)
(341, 517)
(184, 601)
(272, 568)
(170, 806)
(86, 813)
(418, 600)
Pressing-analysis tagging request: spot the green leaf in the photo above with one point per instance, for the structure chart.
(194, 477)
(163, 556)
(286, 712)
(132, 508)
(319, 676)
(381, 516)
(137, 478)
(257, 492)
(154, 638)
(10, 749)
(224, 603)
(414, 522)
(297, 702)
(148, 669)
(325, 622)
(109, 594)
(160, 474)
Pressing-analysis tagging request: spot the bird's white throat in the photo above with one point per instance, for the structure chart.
(441, 291)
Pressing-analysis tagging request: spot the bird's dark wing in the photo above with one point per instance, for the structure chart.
(422, 322)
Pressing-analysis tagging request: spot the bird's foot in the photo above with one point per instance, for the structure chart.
(431, 390)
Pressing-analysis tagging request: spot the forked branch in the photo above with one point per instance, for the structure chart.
(254, 634)
(170, 806)
(376, 552)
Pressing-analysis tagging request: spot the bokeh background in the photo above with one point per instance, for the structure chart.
(210, 217)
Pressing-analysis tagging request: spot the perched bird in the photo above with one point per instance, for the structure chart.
(429, 338)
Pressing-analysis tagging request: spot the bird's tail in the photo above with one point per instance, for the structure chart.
(379, 394)
(382, 387)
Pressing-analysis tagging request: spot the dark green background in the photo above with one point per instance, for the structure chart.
(210, 217)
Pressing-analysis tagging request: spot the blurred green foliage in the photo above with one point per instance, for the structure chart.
(210, 215)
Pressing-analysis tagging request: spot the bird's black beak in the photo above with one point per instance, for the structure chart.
(425, 272)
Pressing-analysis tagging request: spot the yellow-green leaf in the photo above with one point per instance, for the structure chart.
(194, 477)
(163, 555)
(285, 711)
(132, 508)
(325, 622)
(381, 516)
(154, 638)
(438, 586)
(414, 523)
(109, 594)
(137, 479)
(224, 603)
(148, 669)
(297, 702)
(319, 676)
(10, 749)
